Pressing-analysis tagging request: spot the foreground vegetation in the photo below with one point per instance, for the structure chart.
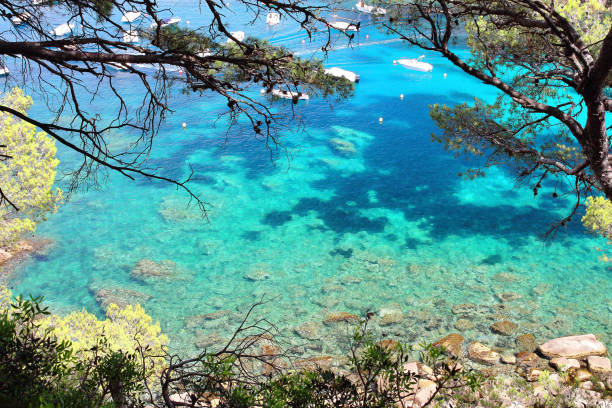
(122, 361)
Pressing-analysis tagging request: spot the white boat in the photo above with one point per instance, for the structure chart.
(290, 95)
(344, 26)
(131, 16)
(416, 64)
(62, 30)
(4, 71)
(119, 66)
(20, 18)
(239, 35)
(131, 37)
(205, 53)
(342, 73)
(165, 22)
(364, 8)
(273, 18)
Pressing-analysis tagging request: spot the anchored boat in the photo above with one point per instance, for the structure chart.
(131, 37)
(273, 18)
(117, 66)
(239, 35)
(344, 26)
(416, 64)
(364, 8)
(131, 16)
(63, 29)
(290, 95)
(166, 22)
(20, 18)
(342, 73)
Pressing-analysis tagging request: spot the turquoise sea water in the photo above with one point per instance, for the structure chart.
(389, 228)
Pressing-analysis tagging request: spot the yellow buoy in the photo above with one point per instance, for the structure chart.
(380, 120)
(445, 75)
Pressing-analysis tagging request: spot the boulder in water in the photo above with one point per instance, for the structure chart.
(578, 347)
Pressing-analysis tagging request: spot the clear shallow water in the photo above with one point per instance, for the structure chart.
(389, 228)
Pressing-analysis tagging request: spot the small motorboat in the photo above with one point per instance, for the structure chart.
(290, 95)
(63, 29)
(20, 18)
(273, 18)
(344, 26)
(4, 71)
(239, 35)
(204, 54)
(416, 64)
(131, 16)
(118, 66)
(342, 73)
(364, 8)
(166, 22)
(131, 37)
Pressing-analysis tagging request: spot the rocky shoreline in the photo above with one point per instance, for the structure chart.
(11, 257)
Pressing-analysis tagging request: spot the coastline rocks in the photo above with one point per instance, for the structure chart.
(308, 330)
(565, 364)
(526, 358)
(508, 359)
(505, 327)
(23, 249)
(313, 363)
(526, 342)
(451, 343)
(482, 354)
(578, 347)
(340, 317)
(147, 268)
(599, 365)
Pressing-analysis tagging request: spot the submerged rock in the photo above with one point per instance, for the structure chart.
(573, 347)
(147, 268)
(209, 340)
(342, 146)
(308, 330)
(506, 277)
(452, 343)
(508, 296)
(340, 317)
(505, 327)
(391, 318)
(526, 342)
(464, 324)
(120, 297)
(257, 275)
